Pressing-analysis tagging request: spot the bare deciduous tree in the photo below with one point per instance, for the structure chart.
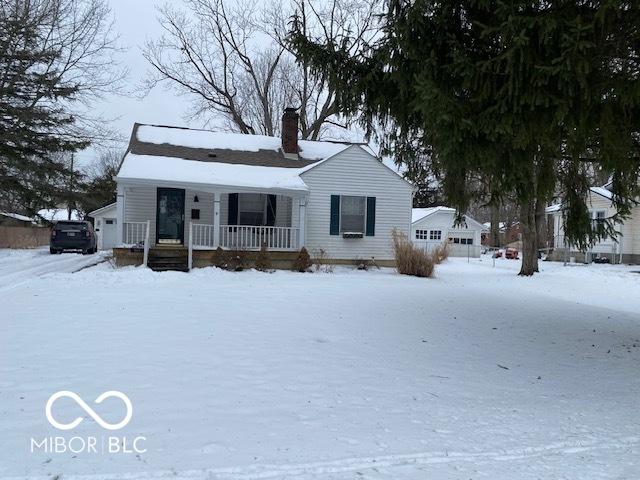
(232, 61)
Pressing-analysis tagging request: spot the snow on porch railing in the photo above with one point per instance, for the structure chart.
(134, 233)
(247, 237)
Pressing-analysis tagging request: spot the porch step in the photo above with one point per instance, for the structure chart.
(168, 259)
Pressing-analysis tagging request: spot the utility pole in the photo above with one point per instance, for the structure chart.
(70, 188)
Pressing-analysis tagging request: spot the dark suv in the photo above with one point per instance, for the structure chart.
(73, 236)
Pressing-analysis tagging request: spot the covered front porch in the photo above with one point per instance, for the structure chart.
(203, 218)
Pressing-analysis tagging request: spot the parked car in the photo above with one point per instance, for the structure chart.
(71, 235)
(511, 254)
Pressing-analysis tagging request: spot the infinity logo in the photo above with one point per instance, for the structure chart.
(89, 410)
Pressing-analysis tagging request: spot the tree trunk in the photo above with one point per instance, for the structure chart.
(494, 234)
(529, 238)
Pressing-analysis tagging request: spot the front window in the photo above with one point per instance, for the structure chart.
(352, 214)
(251, 209)
(422, 234)
(435, 235)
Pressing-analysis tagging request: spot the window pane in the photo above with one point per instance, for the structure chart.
(352, 214)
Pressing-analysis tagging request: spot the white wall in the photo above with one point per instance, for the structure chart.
(444, 221)
(99, 223)
(355, 172)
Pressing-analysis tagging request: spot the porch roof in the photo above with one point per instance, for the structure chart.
(159, 169)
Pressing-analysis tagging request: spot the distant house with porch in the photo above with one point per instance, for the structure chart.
(623, 247)
(194, 190)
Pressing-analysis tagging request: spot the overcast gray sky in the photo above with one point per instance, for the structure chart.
(135, 22)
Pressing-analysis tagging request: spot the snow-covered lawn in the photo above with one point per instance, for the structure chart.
(474, 374)
(20, 266)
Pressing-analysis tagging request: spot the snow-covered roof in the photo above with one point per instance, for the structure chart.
(101, 210)
(202, 157)
(553, 208)
(602, 191)
(58, 214)
(420, 213)
(193, 172)
(17, 216)
(205, 139)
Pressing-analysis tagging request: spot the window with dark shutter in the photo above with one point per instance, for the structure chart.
(334, 227)
(371, 216)
(232, 214)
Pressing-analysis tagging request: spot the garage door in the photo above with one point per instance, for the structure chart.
(108, 232)
(462, 244)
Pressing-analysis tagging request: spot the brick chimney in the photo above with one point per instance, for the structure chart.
(290, 132)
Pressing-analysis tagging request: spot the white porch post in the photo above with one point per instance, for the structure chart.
(302, 221)
(216, 219)
(120, 215)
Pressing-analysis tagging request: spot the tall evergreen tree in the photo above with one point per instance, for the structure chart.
(55, 58)
(523, 93)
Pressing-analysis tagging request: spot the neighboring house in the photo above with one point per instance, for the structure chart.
(433, 226)
(510, 234)
(211, 189)
(105, 226)
(624, 247)
(20, 231)
(16, 220)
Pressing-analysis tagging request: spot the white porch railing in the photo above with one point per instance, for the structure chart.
(202, 236)
(134, 233)
(246, 237)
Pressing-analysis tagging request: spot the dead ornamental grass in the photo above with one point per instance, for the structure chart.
(411, 260)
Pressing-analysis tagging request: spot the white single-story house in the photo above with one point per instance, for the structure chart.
(434, 226)
(623, 248)
(105, 225)
(200, 190)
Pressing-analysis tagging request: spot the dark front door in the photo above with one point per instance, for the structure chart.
(170, 216)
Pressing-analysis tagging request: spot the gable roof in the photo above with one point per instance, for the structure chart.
(100, 210)
(225, 147)
(163, 153)
(602, 191)
(418, 214)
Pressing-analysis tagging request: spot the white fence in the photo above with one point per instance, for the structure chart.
(202, 235)
(455, 249)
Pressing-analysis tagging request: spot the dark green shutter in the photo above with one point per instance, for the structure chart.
(271, 210)
(371, 216)
(232, 214)
(334, 228)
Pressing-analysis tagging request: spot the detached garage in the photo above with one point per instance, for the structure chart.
(433, 226)
(105, 225)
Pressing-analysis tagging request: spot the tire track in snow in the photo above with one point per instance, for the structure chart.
(40, 265)
(313, 470)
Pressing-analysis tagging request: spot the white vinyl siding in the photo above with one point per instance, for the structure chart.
(440, 228)
(354, 172)
(629, 241)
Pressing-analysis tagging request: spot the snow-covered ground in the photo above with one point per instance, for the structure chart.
(474, 374)
(20, 266)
